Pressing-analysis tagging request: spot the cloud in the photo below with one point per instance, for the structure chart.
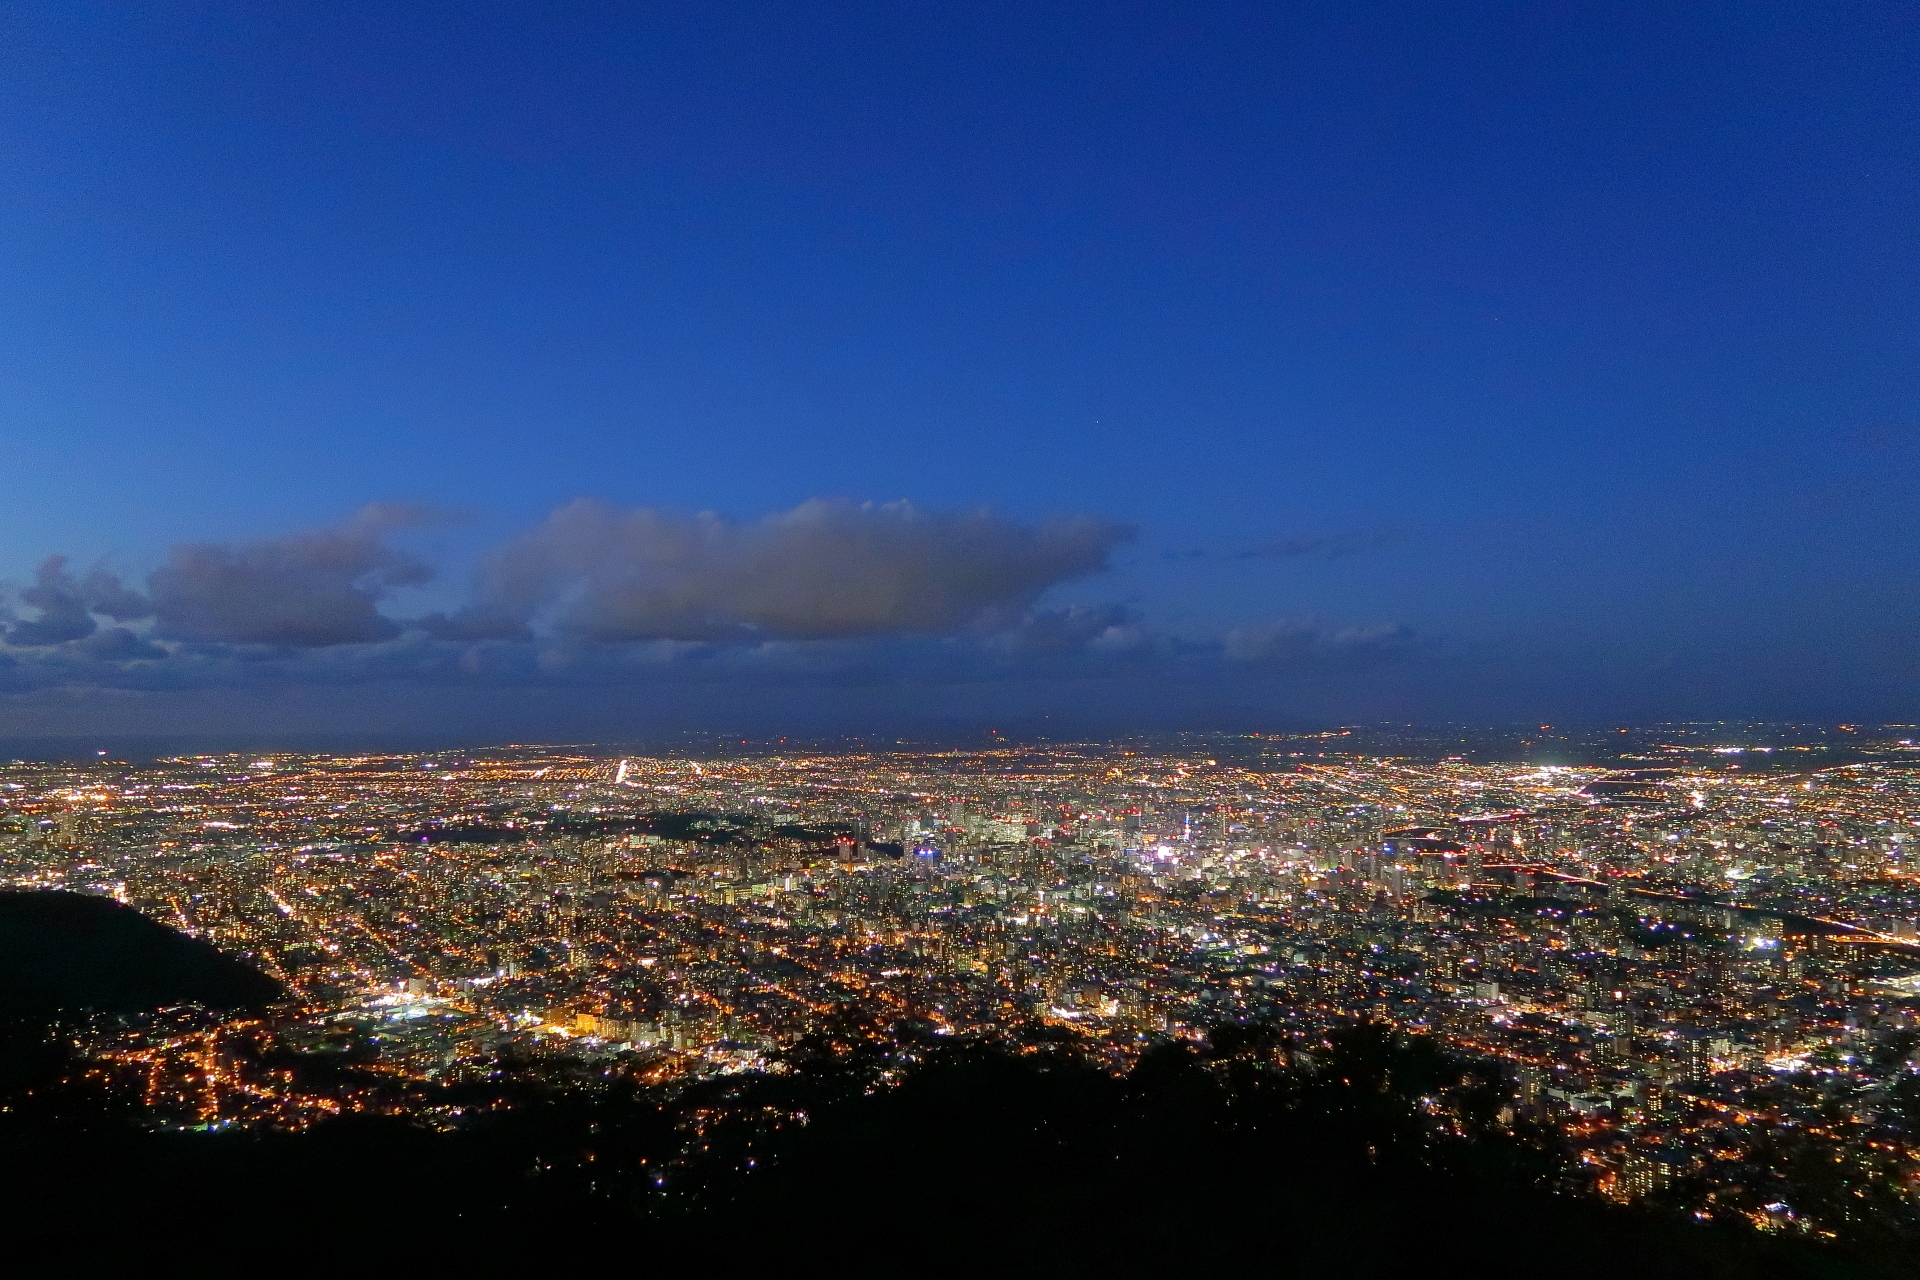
(117, 644)
(826, 570)
(106, 594)
(1336, 546)
(67, 604)
(1303, 643)
(306, 590)
(1096, 632)
(1066, 630)
(63, 613)
(829, 599)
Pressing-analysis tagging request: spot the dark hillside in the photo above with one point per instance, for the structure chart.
(69, 952)
(1040, 1165)
(1381, 1158)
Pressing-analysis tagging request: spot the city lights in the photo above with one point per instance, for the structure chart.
(1674, 961)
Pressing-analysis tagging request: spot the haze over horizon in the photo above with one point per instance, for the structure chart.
(512, 374)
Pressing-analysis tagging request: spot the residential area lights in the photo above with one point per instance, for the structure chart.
(1678, 964)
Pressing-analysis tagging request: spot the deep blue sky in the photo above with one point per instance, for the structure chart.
(1561, 359)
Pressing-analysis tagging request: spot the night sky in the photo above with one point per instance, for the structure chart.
(483, 372)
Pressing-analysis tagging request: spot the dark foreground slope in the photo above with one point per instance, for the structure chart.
(975, 1159)
(874, 1151)
(1043, 1164)
(70, 952)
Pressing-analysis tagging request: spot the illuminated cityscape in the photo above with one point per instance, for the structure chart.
(997, 638)
(1703, 948)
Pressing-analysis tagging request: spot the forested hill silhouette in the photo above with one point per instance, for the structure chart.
(1379, 1156)
(1218, 1160)
(71, 953)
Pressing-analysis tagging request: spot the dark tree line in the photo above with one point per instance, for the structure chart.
(889, 1148)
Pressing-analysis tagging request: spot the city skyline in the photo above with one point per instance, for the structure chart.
(1686, 977)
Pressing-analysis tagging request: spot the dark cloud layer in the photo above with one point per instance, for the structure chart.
(63, 612)
(831, 597)
(67, 604)
(1303, 642)
(824, 570)
(312, 589)
(1072, 629)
